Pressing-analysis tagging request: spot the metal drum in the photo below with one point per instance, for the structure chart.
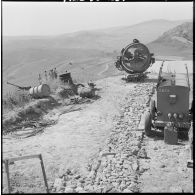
(40, 91)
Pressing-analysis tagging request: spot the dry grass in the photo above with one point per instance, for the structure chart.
(20, 109)
(15, 99)
(32, 112)
(19, 98)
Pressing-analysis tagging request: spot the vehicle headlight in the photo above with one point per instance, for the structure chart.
(175, 115)
(169, 115)
(180, 116)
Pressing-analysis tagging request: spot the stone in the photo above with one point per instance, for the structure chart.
(107, 154)
(133, 187)
(115, 184)
(180, 170)
(107, 188)
(81, 180)
(127, 190)
(155, 148)
(73, 186)
(77, 176)
(142, 153)
(126, 166)
(142, 170)
(91, 174)
(123, 186)
(97, 189)
(162, 166)
(139, 145)
(135, 150)
(89, 188)
(69, 190)
(79, 190)
(53, 190)
(62, 172)
(135, 166)
(68, 172)
(113, 190)
(119, 180)
(62, 190)
(176, 189)
(58, 184)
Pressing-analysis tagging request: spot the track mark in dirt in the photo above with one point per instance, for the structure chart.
(104, 70)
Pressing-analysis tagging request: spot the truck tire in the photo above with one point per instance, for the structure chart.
(148, 124)
(152, 108)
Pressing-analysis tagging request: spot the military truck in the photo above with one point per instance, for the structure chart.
(170, 105)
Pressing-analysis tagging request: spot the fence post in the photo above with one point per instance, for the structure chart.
(44, 174)
(7, 173)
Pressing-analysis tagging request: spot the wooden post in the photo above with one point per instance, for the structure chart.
(7, 173)
(44, 174)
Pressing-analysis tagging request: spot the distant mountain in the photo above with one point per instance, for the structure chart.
(103, 39)
(177, 41)
(24, 57)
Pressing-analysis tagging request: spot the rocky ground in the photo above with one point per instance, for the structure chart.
(127, 160)
(131, 162)
(116, 169)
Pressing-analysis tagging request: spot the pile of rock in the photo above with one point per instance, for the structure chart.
(117, 167)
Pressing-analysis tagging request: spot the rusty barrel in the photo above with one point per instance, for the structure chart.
(40, 91)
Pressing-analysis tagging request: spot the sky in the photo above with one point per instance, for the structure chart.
(50, 18)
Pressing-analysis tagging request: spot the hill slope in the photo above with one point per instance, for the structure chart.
(177, 41)
(89, 51)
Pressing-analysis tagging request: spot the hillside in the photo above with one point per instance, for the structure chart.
(97, 146)
(177, 41)
(89, 51)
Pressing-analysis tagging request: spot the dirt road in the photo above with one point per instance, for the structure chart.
(80, 134)
(77, 136)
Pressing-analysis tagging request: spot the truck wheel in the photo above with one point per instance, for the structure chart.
(152, 108)
(148, 124)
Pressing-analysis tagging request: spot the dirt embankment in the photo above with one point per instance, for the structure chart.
(98, 148)
(76, 137)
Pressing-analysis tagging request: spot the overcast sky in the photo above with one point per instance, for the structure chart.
(49, 18)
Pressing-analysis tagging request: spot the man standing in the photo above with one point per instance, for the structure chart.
(45, 76)
(40, 80)
(55, 73)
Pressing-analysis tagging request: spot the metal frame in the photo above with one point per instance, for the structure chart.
(183, 125)
(10, 161)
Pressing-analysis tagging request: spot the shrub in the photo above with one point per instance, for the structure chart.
(17, 98)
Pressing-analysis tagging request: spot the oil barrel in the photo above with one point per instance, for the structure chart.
(40, 91)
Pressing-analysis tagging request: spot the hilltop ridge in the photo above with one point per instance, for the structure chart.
(89, 51)
(177, 41)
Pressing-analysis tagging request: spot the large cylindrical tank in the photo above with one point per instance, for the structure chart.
(40, 91)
